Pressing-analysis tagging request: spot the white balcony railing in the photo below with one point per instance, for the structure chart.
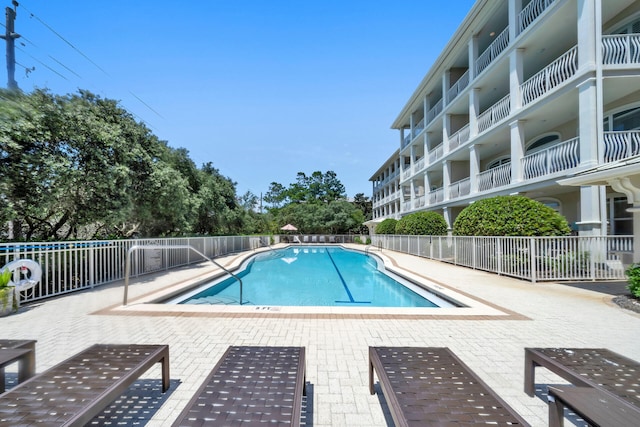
(406, 173)
(460, 188)
(531, 12)
(418, 166)
(495, 48)
(406, 140)
(494, 114)
(621, 145)
(494, 177)
(458, 87)
(621, 49)
(551, 76)
(406, 206)
(436, 154)
(436, 196)
(434, 111)
(459, 138)
(418, 202)
(554, 159)
(418, 128)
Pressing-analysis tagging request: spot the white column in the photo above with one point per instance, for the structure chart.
(474, 169)
(588, 124)
(516, 76)
(446, 178)
(588, 29)
(446, 131)
(446, 213)
(473, 55)
(474, 111)
(515, 7)
(446, 80)
(517, 150)
(591, 221)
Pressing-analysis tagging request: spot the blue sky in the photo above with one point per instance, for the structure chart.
(262, 89)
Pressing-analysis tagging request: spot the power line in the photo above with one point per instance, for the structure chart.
(64, 40)
(33, 15)
(41, 63)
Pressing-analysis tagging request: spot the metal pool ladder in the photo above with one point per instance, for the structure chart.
(127, 269)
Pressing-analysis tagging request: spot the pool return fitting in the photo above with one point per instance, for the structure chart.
(127, 268)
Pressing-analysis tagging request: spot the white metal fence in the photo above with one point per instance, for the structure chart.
(529, 258)
(72, 266)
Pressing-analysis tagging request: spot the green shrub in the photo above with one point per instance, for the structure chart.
(368, 242)
(388, 226)
(510, 216)
(422, 223)
(633, 273)
(357, 240)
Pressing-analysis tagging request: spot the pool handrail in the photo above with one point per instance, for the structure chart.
(127, 268)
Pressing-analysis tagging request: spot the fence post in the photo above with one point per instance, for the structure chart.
(533, 271)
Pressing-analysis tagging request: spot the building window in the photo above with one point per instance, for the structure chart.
(552, 203)
(632, 27)
(543, 141)
(619, 219)
(627, 119)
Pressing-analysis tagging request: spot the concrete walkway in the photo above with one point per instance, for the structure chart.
(540, 315)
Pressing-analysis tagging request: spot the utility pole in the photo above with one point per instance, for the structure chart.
(10, 36)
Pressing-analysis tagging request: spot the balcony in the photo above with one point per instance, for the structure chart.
(418, 128)
(459, 138)
(460, 188)
(407, 140)
(406, 173)
(551, 76)
(494, 177)
(436, 154)
(434, 111)
(499, 44)
(554, 159)
(621, 49)
(531, 12)
(436, 196)
(418, 166)
(458, 87)
(419, 202)
(494, 114)
(621, 145)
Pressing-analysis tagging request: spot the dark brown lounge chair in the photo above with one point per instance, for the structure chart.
(426, 386)
(606, 372)
(26, 359)
(250, 386)
(74, 391)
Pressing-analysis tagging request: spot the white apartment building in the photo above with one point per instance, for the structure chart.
(533, 97)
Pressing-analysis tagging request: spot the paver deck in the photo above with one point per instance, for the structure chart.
(539, 315)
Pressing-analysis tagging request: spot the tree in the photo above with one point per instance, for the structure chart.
(510, 216)
(276, 195)
(387, 226)
(422, 223)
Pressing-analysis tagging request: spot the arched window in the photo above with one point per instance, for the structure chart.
(541, 142)
(498, 162)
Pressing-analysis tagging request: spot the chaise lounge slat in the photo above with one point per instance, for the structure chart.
(74, 391)
(250, 385)
(426, 386)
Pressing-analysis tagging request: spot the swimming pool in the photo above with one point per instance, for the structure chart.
(313, 276)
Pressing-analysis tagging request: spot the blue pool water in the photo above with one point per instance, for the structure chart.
(312, 276)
